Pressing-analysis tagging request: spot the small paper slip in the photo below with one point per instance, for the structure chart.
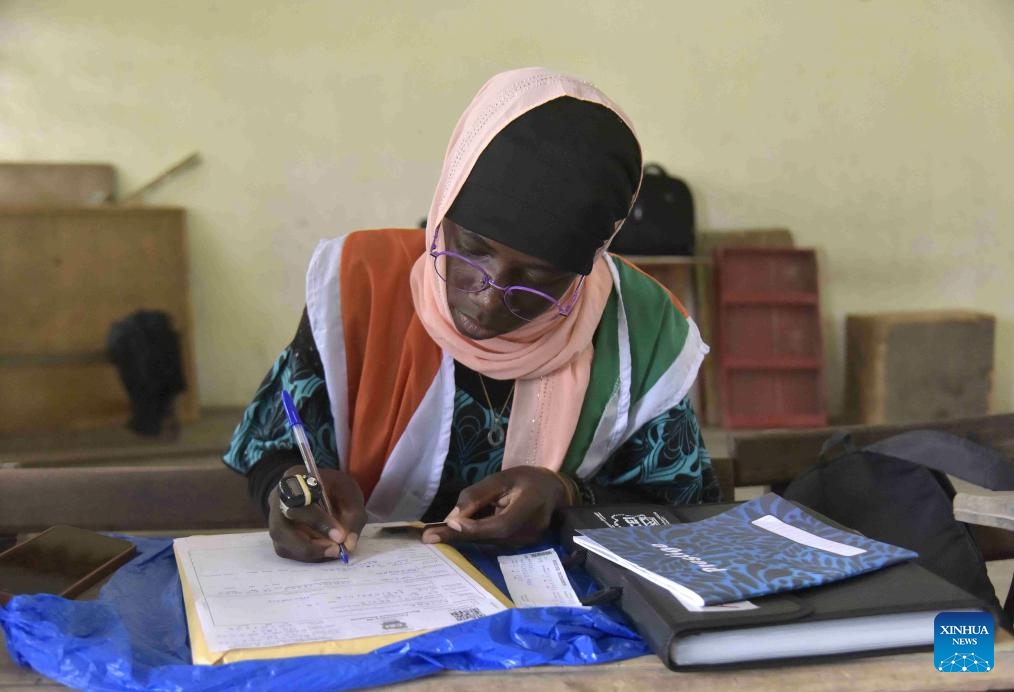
(537, 579)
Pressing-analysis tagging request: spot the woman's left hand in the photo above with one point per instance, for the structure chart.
(516, 506)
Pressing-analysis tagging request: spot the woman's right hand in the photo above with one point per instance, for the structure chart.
(308, 534)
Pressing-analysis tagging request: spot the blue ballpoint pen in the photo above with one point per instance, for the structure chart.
(298, 432)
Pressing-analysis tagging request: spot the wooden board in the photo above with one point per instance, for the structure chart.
(208, 436)
(187, 494)
(66, 275)
(986, 507)
(56, 184)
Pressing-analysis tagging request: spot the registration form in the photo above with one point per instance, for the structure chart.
(247, 597)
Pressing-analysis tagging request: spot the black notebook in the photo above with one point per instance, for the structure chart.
(886, 611)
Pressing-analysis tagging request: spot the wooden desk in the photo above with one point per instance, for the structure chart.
(211, 497)
(899, 672)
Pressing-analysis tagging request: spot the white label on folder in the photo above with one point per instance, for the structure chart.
(537, 579)
(776, 525)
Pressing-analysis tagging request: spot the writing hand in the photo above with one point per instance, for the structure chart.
(521, 499)
(308, 534)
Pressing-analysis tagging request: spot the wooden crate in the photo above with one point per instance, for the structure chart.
(913, 366)
(66, 274)
(707, 242)
(769, 348)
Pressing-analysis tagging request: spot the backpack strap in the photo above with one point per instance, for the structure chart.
(840, 438)
(949, 454)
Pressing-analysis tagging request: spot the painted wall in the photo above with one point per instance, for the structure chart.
(880, 132)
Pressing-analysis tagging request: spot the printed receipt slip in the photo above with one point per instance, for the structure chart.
(764, 546)
(244, 602)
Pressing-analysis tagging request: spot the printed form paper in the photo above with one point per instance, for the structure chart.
(537, 579)
(248, 597)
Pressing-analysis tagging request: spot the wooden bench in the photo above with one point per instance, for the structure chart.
(167, 497)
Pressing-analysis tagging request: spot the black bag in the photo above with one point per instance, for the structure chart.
(896, 491)
(661, 222)
(146, 351)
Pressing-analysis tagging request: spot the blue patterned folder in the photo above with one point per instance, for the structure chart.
(764, 546)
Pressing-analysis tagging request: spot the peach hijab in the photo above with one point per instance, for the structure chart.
(550, 358)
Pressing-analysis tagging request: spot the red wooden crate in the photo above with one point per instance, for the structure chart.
(769, 398)
(769, 271)
(769, 346)
(771, 332)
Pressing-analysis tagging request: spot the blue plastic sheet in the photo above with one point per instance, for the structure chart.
(134, 637)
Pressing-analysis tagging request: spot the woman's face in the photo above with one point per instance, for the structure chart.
(483, 314)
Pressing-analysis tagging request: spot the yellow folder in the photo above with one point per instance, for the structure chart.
(201, 654)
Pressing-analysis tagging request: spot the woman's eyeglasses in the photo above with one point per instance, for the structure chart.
(464, 274)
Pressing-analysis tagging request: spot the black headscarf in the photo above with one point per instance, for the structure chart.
(553, 183)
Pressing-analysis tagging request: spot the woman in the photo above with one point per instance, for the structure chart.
(498, 366)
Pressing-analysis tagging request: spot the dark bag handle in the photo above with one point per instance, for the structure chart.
(606, 595)
(840, 438)
(950, 454)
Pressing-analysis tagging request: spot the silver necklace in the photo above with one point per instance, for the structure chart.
(496, 434)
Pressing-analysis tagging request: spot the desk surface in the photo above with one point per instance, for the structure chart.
(898, 672)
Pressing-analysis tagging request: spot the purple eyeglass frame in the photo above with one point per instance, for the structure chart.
(487, 281)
